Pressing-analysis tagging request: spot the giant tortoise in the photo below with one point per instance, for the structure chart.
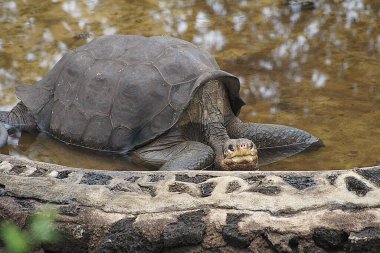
(162, 101)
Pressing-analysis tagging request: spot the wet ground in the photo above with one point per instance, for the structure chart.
(317, 69)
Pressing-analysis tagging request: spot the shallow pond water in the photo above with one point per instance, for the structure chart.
(318, 69)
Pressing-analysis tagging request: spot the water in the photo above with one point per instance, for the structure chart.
(318, 70)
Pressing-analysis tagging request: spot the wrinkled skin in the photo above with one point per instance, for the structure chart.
(161, 100)
(209, 122)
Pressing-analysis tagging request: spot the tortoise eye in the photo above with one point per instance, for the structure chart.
(230, 147)
(251, 146)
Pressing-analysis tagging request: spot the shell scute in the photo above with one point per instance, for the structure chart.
(98, 132)
(73, 125)
(158, 122)
(95, 94)
(56, 115)
(66, 89)
(101, 48)
(142, 92)
(179, 95)
(177, 65)
(121, 137)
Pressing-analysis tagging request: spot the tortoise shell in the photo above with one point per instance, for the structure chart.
(119, 92)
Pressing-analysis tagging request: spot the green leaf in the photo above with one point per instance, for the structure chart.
(43, 229)
(14, 239)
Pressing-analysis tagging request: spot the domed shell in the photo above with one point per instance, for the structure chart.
(119, 92)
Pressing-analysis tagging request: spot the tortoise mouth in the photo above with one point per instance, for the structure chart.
(239, 161)
(251, 158)
(245, 162)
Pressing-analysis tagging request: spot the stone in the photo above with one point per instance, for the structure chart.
(71, 209)
(125, 187)
(190, 217)
(196, 179)
(231, 233)
(207, 189)
(63, 174)
(357, 186)
(373, 174)
(260, 245)
(39, 172)
(234, 218)
(299, 182)
(149, 189)
(151, 226)
(2, 190)
(189, 230)
(255, 179)
(132, 179)
(332, 178)
(366, 240)
(93, 178)
(233, 237)
(266, 189)
(122, 237)
(18, 169)
(330, 239)
(179, 187)
(156, 178)
(294, 242)
(182, 234)
(189, 249)
(233, 186)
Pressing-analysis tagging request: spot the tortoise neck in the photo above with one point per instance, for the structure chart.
(234, 126)
(213, 103)
(206, 113)
(215, 135)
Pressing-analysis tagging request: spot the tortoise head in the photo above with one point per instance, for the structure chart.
(239, 154)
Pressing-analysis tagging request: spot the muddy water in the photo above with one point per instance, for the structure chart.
(317, 70)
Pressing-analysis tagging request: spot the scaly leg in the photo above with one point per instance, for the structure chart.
(173, 152)
(19, 117)
(188, 155)
(274, 142)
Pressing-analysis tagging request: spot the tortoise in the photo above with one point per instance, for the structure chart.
(162, 101)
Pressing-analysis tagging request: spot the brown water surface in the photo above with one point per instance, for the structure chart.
(318, 70)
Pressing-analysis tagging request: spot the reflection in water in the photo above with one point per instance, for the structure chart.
(238, 19)
(315, 67)
(210, 40)
(46, 149)
(217, 6)
(264, 88)
(72, 8)
(201, 22)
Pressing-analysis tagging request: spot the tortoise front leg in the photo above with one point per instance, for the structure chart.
(273, 142)
(190, 155)
(186, 155)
